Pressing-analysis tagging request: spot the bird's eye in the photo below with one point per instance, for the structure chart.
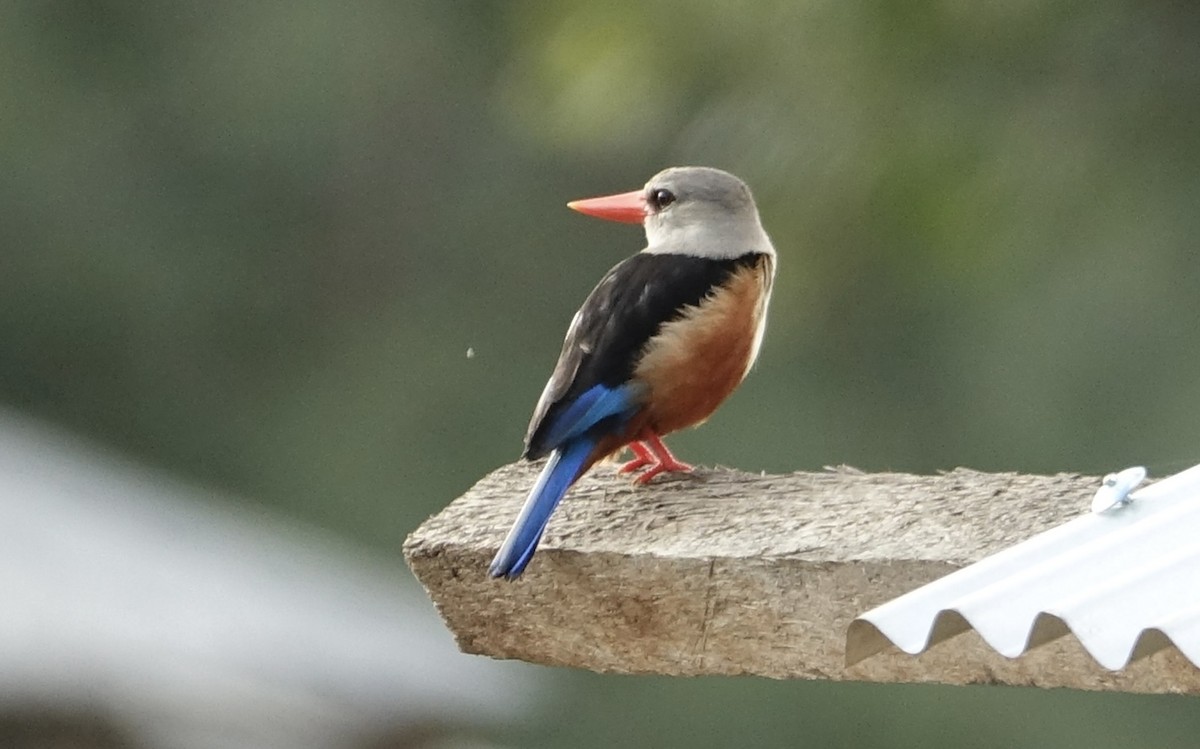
(660, 198)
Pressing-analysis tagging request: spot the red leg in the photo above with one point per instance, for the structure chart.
(643, 457)
(663, 459)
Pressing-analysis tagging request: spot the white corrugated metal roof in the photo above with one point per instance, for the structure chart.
(1125, 583)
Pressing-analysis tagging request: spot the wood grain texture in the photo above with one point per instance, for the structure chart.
(723, 572)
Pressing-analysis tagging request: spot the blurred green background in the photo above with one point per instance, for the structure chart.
(253, 243)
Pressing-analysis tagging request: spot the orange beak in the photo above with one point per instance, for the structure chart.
(628, 207)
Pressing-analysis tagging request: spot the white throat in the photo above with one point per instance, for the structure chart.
(718, 239)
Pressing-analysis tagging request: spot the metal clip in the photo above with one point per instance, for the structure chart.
(1114, 492)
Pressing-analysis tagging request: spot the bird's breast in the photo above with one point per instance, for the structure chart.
(695, 361)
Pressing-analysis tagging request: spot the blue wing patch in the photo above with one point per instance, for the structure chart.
(589, 409)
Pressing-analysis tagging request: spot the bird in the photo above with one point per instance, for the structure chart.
(664, 337)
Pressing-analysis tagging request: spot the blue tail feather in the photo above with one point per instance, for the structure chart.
(561, 470)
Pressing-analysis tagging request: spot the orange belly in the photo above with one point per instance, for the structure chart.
(696, 361)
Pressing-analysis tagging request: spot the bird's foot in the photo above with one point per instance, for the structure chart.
(667, 466)
(654, 456)
(643, 457)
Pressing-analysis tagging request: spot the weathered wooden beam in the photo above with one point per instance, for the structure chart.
(723, 572)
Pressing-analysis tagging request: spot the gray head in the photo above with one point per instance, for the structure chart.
(698, 210)
(688, 210)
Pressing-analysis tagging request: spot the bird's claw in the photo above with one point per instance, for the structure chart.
(635, 465)
(652, 458)
(673, 466)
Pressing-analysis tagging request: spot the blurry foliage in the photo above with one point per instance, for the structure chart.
(253, 243)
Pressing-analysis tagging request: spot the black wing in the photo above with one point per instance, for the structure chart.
(624, 311)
